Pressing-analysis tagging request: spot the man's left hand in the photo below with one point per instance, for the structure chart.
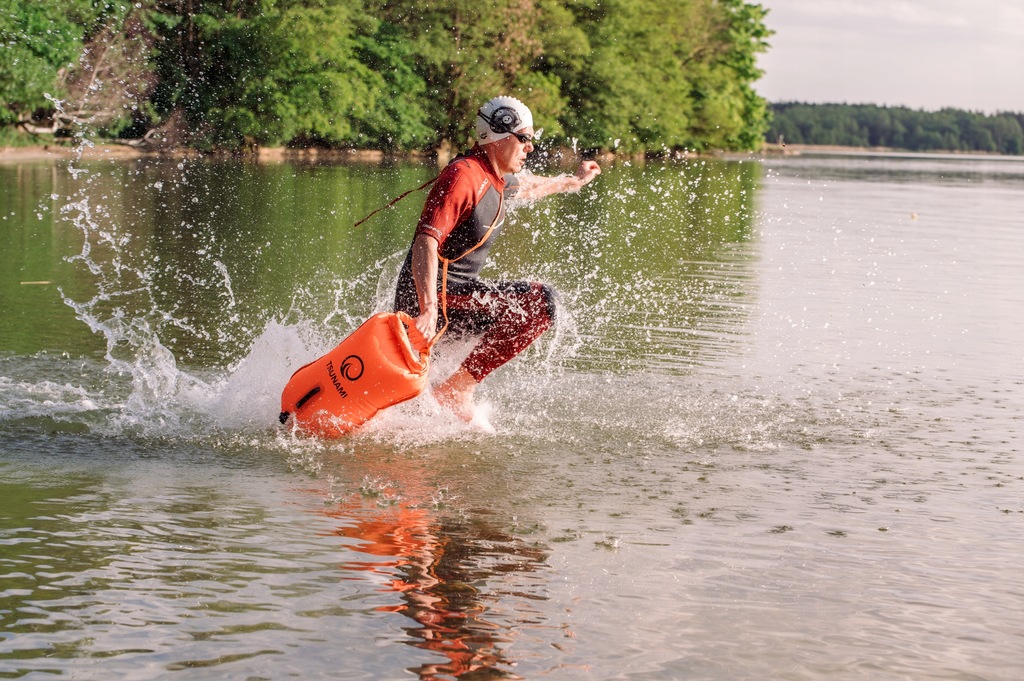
(587, 171)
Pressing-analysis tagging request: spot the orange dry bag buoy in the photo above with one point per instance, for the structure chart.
(383, 362)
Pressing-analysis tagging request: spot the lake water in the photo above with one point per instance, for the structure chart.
(775, 434)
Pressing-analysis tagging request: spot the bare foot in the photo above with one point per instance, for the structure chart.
(456, 394)
(481, 418)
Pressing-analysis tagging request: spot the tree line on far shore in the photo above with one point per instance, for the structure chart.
(867, 125)
(632, 75)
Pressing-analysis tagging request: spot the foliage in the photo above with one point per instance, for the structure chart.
(72, 62)
(640, 75)
(664, 73)
(269, 72)
(39, 39)
(467, 51)
(867, 125)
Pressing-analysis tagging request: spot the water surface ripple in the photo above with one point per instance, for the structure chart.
(774, 434)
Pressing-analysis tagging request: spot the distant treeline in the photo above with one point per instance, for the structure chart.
(636, 75)
(865, 125)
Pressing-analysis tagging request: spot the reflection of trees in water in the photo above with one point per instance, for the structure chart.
(442, 567)
(652, 259)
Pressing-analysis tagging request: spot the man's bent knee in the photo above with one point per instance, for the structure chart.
(550, 298)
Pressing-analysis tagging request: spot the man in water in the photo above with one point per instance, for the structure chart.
(463, 215)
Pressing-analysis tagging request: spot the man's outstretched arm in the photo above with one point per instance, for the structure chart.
(532, 187)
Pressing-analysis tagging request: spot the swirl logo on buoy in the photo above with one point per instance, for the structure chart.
(352, 367)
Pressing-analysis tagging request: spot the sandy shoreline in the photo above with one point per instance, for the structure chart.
(46, 152)
(57, 152)
(50, 152)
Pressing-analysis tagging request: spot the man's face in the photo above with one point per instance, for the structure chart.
(509, 154)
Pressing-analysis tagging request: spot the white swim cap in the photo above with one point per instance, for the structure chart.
(500, 117)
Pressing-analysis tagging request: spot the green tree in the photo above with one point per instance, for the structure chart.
(632, 91)
(274, 71)
(398, 114)
(467, 52)
(1007, 134)
(670, 73)
(41, 45)
(38, 40)
(897, 127)
(731, 114)
(639, 75)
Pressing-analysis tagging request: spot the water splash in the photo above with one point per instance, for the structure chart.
(139, 306)
(649, 272)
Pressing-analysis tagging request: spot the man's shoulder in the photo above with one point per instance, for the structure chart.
(467, 174)
(468, 163)
(462, 169)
